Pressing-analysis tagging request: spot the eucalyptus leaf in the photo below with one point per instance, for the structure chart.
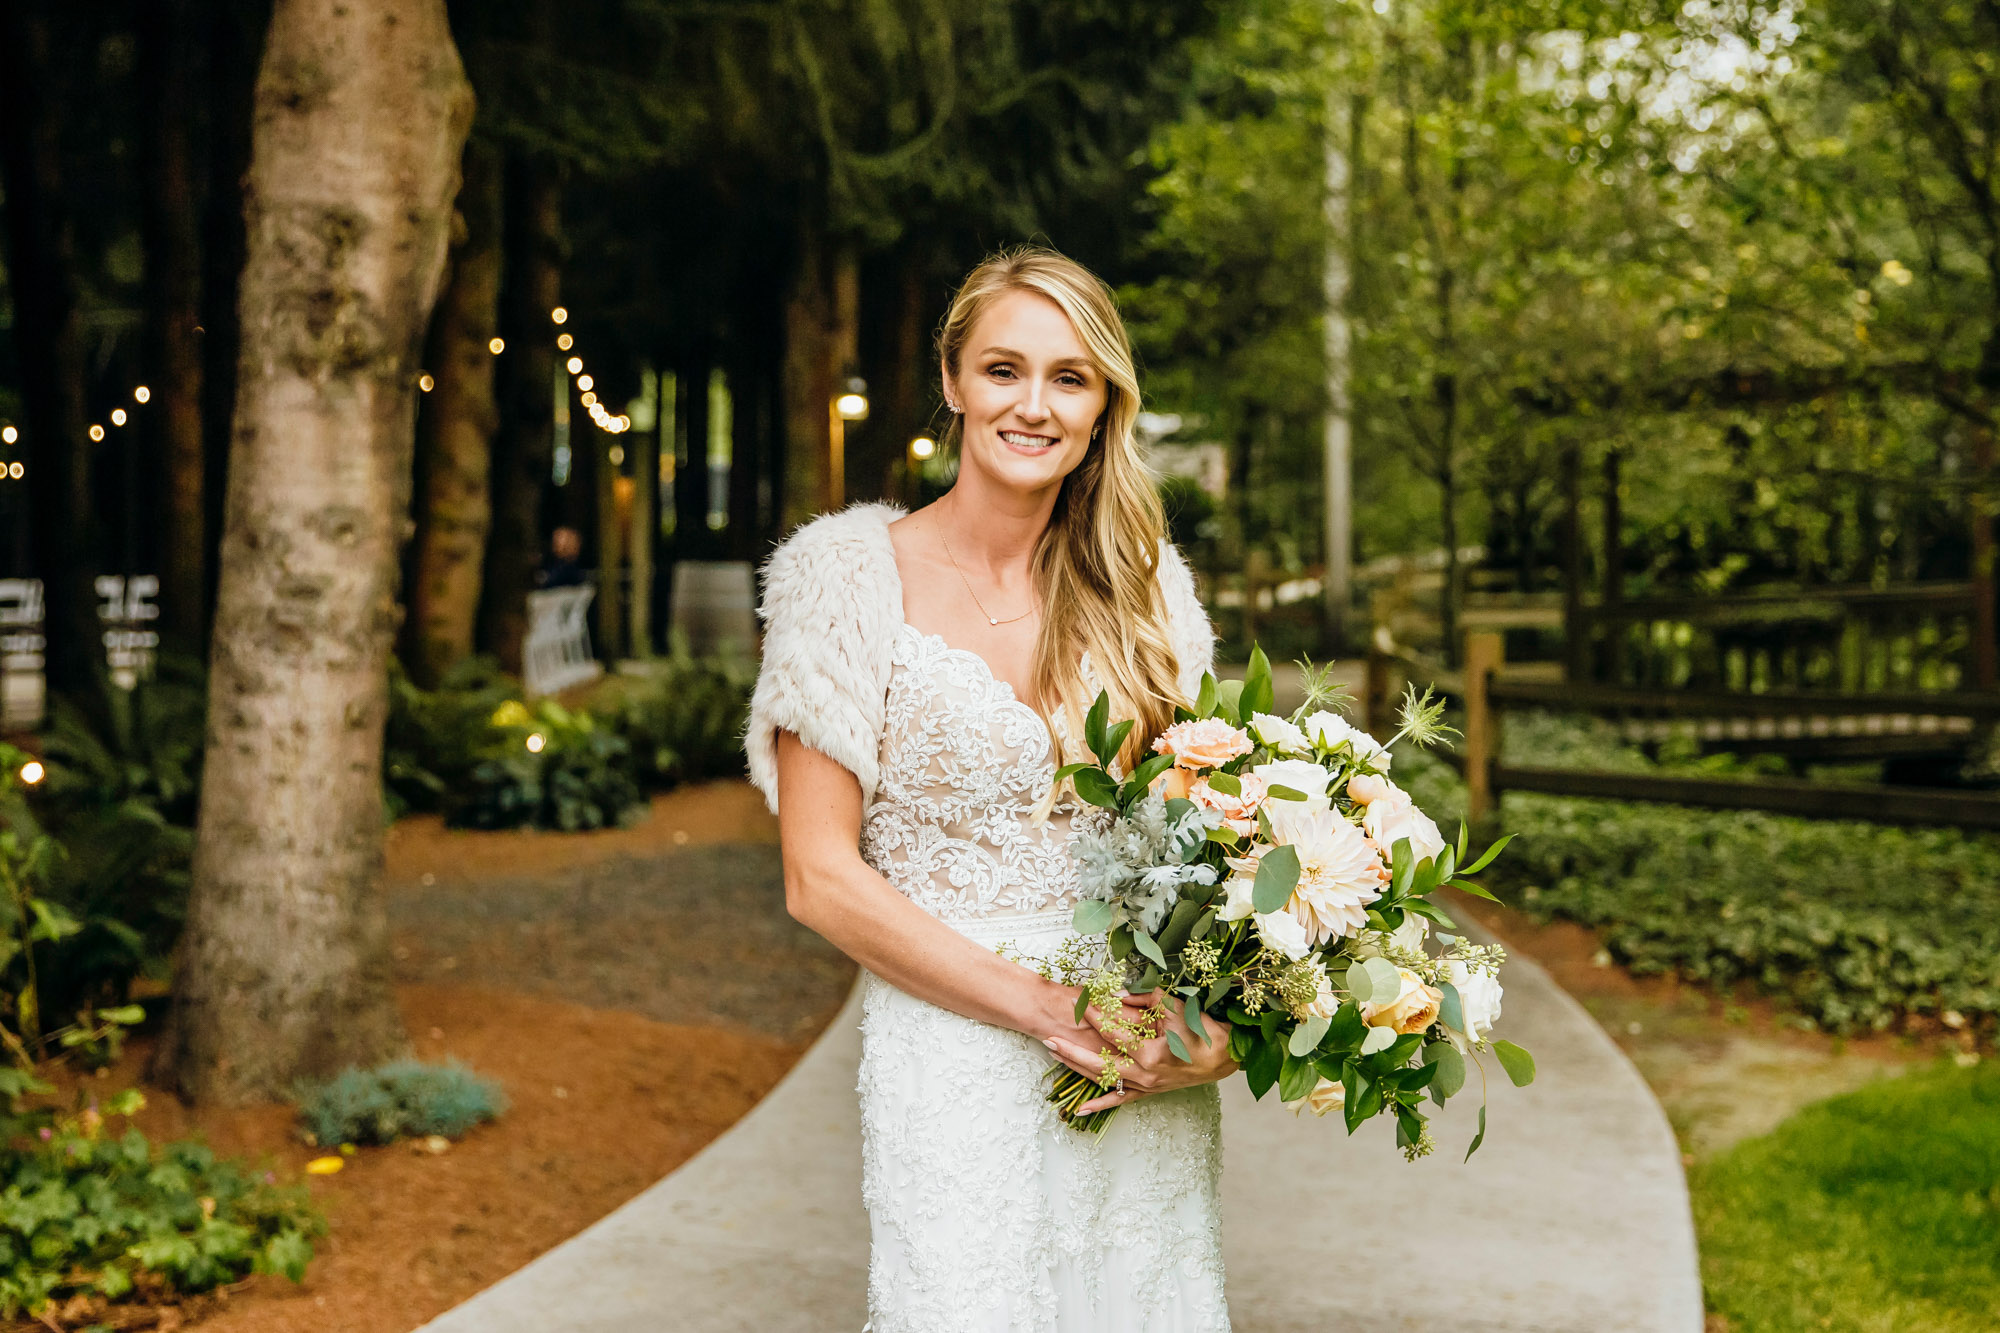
(1358, 984)
(1451, 1011)
(1385, 982)
(1450, 1069)
(1227, 783)
(1191, 1014)
(1277, 876)
(1305, 1037)
(1091, 917)
(1480, 1137)
(1146, 945)
(1378, 1039)
(1278, 791)
(1178, 1047)
(1520, 1065)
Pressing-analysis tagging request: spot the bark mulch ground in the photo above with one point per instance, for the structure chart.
(635, 991)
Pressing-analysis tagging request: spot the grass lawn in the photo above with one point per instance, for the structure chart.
(1875, 1212)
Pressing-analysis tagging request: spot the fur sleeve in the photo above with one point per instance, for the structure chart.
(1187, 623)
(832, 601)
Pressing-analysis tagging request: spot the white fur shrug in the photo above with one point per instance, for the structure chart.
(833, 601)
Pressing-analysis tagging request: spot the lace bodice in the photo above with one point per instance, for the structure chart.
(963, 765)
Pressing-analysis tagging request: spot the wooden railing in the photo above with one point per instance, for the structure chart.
(1824, 724)
(1918, 637)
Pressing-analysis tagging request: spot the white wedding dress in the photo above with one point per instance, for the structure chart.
(988, 1214)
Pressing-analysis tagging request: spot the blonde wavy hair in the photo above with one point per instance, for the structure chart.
(1095, 565)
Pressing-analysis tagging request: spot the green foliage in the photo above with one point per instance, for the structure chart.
(1852, 925)
(435, 739)
(84, 1212)
(550, 767)
(1875, 1210)
(118, 805)
(401, 1099)
(472, 750)
(684, 717)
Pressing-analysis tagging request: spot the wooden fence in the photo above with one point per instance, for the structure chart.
(1816, 724)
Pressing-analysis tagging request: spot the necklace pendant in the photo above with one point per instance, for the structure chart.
(991, 621)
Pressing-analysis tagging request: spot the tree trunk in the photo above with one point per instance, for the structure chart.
(283, 969)
(809, 373)
(173, 297)
(531, 287)
(41, 273)
(1338, 580)
(455, 435)
(610, 602)
(645, 526)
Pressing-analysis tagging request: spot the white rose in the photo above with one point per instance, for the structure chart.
(1300, 775)
(1478, 995)
(1279, 735)
(1282, 931)
(1409, 937)
(1326, 1096)
(1242, 888)
(1387, 820)
(1330, 731)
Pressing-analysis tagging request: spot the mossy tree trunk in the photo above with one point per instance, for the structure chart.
(455, 429)
(362, 107)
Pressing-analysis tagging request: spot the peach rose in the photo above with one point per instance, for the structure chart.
(1173, 784)
(1367, 788)
(1396, 817)
(1239, 813)
(1326, 1096)
(1414, 1008)
(1207, 742)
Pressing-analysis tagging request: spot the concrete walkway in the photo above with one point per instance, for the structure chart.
(1572, 1218)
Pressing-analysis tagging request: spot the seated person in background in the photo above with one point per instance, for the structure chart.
(560, 567)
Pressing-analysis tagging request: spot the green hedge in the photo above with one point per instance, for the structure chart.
(1851, 925)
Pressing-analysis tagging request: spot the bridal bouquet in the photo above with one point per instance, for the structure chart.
(1265, 871)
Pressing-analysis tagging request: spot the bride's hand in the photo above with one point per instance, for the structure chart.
(1154, 1067)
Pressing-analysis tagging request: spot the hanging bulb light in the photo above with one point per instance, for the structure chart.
(575, 364)
(141, 394)
(497, 346)
(559, 314)
(96, 433)
(9, 434)
(426, 383)
(565, 342)
(117, 416)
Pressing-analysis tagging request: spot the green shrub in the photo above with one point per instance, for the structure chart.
(401, 1099)
(119, 802)
(550, 767)
(436, 739)
(684, 717)
(84, 1213)
(1876, 1210)
(1851, 925)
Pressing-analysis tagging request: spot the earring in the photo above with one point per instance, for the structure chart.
(955, 408)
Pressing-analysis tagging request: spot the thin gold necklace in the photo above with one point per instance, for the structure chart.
(990, 618)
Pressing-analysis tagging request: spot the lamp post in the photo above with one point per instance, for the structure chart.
(850, 405)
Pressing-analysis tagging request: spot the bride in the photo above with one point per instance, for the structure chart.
(923, 677)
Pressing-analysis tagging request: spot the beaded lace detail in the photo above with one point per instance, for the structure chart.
(987, 1214)
(963, 765)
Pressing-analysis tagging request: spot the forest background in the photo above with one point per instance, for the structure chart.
(1740, 261)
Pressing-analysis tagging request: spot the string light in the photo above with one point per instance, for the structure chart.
(575, 364)
(535, 742)
(922, 447)
(15, 471)
(426, 383)
(586, 383)
(32, 772)
(559, 314)
(9, 434)
(565, 342)
(497, 346)
(117, 416)
(589, 399)
(96, 433)
(141, 394)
